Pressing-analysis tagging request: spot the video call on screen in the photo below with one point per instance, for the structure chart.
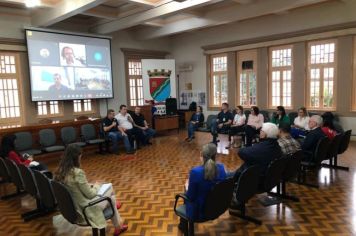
(67, 67)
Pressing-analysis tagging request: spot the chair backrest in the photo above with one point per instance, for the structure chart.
(23, 141)
(219, 199)
(47, 137)
(210, 120)
(344, 144)
(334, 146)
(265, 115)
(247, 184)
(247, 113)
(45, 190)
(274, 173)
(14, 173)
(292, 116)
(4, 172)
(88, 132)
(65, 202)
(293, 165)
(321, 150)
(29, 181)
(68, 135)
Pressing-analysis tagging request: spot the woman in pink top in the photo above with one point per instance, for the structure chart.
(254, 124)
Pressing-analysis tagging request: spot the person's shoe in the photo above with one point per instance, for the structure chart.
(122, 229)
(187, 138)
(130, 152)
(118, 205)
(228, 146)
(193, 137)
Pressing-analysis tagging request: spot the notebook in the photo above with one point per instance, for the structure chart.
(104, 188)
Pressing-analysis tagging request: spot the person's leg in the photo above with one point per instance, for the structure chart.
(190, 130)
(114, 137)
(103, 205)
(126, 140)
(250, 132)
(149, 133)
(214, 131)
(195, 127)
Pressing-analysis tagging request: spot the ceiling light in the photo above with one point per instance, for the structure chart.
(32, 3)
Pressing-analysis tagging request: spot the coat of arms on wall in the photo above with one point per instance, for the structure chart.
(160, 85)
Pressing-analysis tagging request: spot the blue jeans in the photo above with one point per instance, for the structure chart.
(149, 133)
(115, 137)
(191, 129)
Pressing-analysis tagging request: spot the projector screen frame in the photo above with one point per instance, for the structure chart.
(70, 34)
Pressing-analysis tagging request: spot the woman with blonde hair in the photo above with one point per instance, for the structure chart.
(201, 180)
(70, 174)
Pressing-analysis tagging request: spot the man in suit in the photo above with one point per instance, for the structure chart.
(313, 137)
(260, 154)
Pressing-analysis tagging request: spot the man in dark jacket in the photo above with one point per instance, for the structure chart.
(222, 122)
(313, 137)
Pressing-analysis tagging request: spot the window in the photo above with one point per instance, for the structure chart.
(280, 74)
(9, 89)
(83, 106)
(321, 75)
(135, 82)
(54, 108)
(218, 80)
(246, 78)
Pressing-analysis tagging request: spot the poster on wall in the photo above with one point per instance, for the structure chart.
(186, 97)
(159, 79)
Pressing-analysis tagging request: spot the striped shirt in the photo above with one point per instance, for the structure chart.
(288, 145)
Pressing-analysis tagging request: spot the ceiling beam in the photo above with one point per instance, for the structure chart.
(62, 11)
(225, 15)
(105, 12)
(151, 14)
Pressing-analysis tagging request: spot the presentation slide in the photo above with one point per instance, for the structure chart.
(67, 67)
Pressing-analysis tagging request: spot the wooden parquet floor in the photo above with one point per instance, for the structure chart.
(147, 183)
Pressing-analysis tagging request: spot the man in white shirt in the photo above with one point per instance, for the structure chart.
(126, 127)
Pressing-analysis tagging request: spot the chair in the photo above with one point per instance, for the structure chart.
(344, 144)
(15, 175)
(48, 141)
(246, 188)
(272, 179)
(67, 208)
(290, 172)
(217, 202)
(89, 134)
(6, 178)
(23, 144)
(318, 156)
(332, 151)
(265, 115)
(31, 187)
(207, 125)
(292, 116)
(247, 113)
(69, 136)
(45, 191)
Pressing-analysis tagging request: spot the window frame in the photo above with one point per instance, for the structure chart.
(48, 107)
(353, 91)
(211, 77)
(321, 67)
(82, 112)
(245, 55)
(135, 78)
(280, 69)
(14, 121)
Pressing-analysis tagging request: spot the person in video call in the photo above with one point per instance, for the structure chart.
(69, 59)
(57, 86)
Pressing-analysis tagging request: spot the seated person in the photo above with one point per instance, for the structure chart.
(254, 124)
(262, 153)
(195, 121)
(70, 174)
(313, 137)
(222, 122)
(201, 179)
(280, 117)
(328, 125)
(126, 127)
(8, 151)
(141, 123)
(288, 144)
(238, 125)
(58, 86)
(110, 126)
(300, 125)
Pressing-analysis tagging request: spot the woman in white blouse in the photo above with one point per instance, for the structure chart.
(238, 125)
(254, 124)
(301, 123)
(302, 120)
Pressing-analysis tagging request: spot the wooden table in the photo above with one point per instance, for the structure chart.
(162, 123)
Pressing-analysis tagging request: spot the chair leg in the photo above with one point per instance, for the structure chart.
(283, 194)
(95, 231)
(191, 228)
(102, 232)
(243, 215)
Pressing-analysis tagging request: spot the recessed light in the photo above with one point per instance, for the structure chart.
(32, 3)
